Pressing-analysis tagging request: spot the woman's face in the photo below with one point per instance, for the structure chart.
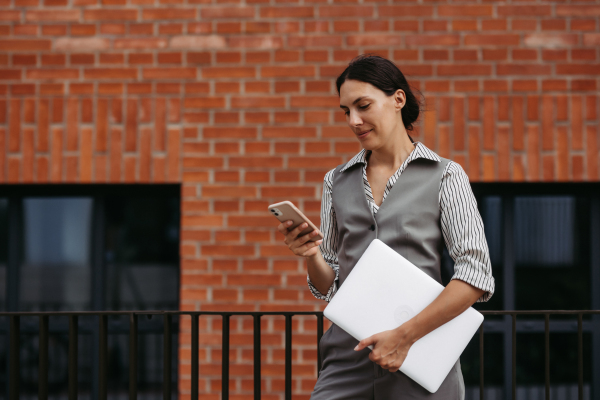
(370, 110)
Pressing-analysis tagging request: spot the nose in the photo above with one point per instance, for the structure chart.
(354, 120)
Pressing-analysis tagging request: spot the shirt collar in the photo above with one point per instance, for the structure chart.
(420, 151)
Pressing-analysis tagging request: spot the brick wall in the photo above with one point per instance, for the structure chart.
(238, 100)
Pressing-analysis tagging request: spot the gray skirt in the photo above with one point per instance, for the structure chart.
(348, 374)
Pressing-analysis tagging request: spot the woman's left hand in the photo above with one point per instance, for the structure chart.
(390, 348)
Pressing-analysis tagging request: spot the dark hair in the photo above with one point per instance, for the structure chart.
(386, 76)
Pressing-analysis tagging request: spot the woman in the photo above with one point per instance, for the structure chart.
(415, 202)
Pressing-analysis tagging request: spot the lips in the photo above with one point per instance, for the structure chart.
(364, 134)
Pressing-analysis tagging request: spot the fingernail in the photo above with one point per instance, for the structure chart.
(288, 223)
(356, 348)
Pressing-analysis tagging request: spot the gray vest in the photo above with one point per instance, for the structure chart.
(408, 220)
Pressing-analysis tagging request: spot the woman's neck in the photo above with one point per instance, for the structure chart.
(392, 155)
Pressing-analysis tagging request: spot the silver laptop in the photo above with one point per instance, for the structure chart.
(383, 291)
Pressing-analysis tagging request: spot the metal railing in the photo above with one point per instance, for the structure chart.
(14, 336)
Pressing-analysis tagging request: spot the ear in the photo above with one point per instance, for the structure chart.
(399, 99)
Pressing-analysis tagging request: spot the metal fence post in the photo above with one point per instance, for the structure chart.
(73, 347)
(167, 357)
(14, 355)
(133, 342)
(43, 359)
(257, 350)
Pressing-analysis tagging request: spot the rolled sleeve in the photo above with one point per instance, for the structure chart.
(332, 289)
(463, 232)
(328, 246)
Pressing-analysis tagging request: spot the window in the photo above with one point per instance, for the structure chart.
(86, 248)
(544, 242)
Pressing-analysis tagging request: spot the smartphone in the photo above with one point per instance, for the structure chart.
(285, 211)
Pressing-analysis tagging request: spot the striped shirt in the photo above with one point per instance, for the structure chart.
(461, 223)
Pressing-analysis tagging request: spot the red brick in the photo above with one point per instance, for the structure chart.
(464, 69)
(550, 39)
(577, 161)
(54, 59)
(197, 42)
(168, 13)
(62, 73)
(72, 125)
(113, 28)
(10, 74)
(169, 73)
(577, 69)
(221, 191)
(533, 153)
(406, 11)
(489, 140)
(592, 152)
(583, 54)
(548, 113)
(488, 39)
(52, 89)
(82, 59)
(42, 169)
(14, 142)
(24, 59)
(173, 158)
(110, 14)
(576, 124)
(140, 43)
(110, 73)
(2, 155)
(111, 58)
(229, 250)
(56, 155)
(465, 10)
(523, 69)
(524, 10)
(116, 156)
(590, 108)
(85, 156)
(129, 169)
(548, 168)
(81, 88)
(131, 126)
(54, 30)
(25, 29)
(14, 169)
(24, 45)
(54, 15)
(83, 30)
(10, 15)
(577, 10)
(554, 24)
(253, 279)
(28, 154)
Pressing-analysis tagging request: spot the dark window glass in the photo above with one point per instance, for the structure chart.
(552, 264)
(3, 251)
(142, 246)
(491, 214)
(90, 247)
(55, 272)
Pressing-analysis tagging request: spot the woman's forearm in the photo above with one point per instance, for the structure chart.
(320, 273)
(456, 297)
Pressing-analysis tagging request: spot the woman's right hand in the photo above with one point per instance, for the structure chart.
(300, 246)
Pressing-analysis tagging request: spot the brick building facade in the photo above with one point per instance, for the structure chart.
(236, 101)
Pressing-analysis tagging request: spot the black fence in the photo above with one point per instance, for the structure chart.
(14, 337)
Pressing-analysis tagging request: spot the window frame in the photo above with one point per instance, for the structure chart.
(15, 193)
(507, 191)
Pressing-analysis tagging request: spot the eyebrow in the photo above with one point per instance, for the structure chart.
(355, 101)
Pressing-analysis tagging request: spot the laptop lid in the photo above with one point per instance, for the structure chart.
(383, 291)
